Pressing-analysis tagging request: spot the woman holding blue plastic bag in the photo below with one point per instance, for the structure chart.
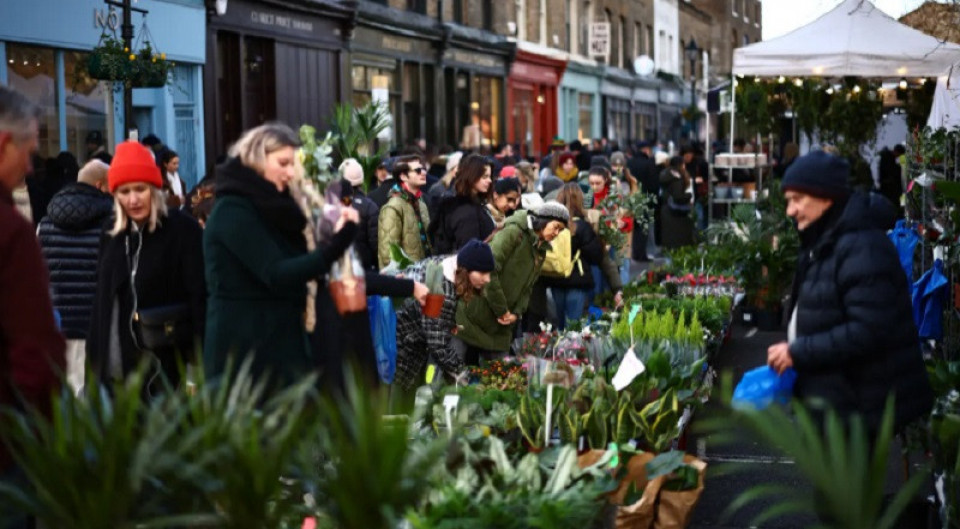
(423, 340)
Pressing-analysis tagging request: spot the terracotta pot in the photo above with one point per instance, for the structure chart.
(349, 294)
(434, 305)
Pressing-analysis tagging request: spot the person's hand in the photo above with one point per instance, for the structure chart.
(698, 180)
(347, 214)
(507, 319)
(778, 357)
(618, 298)
(420, 292)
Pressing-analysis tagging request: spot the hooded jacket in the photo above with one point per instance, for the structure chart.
(856, 341)
(70, 239)
(519, 255)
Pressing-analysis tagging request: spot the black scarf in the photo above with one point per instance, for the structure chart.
(810, 240)
(279, 210)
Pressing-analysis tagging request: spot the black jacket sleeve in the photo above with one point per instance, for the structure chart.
(591, 249)
(383, 285)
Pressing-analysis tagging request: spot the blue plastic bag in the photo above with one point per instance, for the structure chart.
(762, 386)
(383, 325)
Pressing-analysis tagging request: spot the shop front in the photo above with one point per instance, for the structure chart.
(670, 118)
(474, 89)
(282, 60)
(532, 100)
(393, 60)
(44, 49)
(617, 92)
(580, 101)
(645, 102)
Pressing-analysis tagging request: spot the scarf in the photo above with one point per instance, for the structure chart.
(567, 176)
(278, 210)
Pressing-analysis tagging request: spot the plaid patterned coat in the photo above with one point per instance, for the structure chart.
(420, 338)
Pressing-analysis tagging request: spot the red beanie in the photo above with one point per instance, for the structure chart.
(133, 163)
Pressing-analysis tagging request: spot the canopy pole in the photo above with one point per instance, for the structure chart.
(733, 107)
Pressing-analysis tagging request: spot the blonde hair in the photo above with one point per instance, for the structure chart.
(158, 211)
(253, 147)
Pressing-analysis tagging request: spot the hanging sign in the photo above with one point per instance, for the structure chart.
(600, 39)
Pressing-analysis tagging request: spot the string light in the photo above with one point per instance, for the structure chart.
(798, 82)
(856, 89)
(923, 80)
(781, 79)
(830, 90)
(903, 83)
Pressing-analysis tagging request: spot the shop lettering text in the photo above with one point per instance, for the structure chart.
(269, 19)
(477, 60)
(396, 44)
(102, 20)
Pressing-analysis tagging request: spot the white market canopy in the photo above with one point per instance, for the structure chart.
(854, 39)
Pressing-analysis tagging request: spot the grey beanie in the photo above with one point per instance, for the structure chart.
(553, 210)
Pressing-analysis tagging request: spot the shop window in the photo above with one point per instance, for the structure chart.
(417, 6)
(86, 103)
(32, 71)
(458, 11)
(585, 28)
(487, 92)
(585, 116)
(486, 8)
(412, 111)
(365, 79)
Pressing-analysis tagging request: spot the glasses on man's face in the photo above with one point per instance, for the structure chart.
(417, 170)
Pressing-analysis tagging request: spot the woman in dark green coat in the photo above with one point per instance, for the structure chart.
(257, 263)
(486, 324)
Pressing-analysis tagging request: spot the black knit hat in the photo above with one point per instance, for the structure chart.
(476, 256)
(819, 174)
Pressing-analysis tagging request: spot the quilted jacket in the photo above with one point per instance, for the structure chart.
(398, 224)
(70, 240)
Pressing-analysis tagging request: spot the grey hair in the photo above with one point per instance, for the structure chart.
(158, 210)
(253, 147)
(16, 113)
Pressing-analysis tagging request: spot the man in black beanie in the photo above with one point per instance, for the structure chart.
(851, 337)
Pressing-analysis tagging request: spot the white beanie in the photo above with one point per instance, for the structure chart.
(453, 160)
(352, 172)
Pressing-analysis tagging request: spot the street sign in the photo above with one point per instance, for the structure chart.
(600, 39)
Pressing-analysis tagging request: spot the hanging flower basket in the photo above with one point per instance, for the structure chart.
(108, 61)
(111, 61)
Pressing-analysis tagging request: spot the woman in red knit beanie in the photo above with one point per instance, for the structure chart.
(151, 262)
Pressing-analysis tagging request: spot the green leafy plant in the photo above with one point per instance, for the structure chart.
(110, 60)
(355, 132)
(314, 156)
(434, 278)
(848, 478)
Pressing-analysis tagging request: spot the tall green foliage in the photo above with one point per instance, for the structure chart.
(355, 132)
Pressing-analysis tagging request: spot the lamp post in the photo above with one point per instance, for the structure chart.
(692, 52)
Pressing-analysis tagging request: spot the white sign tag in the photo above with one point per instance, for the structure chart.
(630, 368)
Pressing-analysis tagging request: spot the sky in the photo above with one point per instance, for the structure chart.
(783, 16)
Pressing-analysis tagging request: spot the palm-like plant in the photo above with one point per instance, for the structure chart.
(355, 131)
(848, 477)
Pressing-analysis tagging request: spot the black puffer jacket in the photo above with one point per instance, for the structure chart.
(70, 240)
(586, 242)
(459, 219)
(855, 337)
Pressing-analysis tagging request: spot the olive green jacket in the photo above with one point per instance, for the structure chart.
(519, 254)
(398, 224)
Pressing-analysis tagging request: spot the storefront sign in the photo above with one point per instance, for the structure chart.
(534, 72)
(474, 59)
(103, 19)
(615, 90)
(275, 21)
(372, 40)
(645, 94)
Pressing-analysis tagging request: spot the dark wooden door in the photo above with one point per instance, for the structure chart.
(260, 82)
(310, 87)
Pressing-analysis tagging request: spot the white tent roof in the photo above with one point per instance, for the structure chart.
(855, 38)
(945, 111)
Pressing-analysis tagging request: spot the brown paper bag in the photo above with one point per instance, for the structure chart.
(641, 514)
(675, 508)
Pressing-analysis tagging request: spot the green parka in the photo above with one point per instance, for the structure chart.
(398, 224)
(519, 253)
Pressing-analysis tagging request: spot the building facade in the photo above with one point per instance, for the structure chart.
(282, 60)
(44, 46)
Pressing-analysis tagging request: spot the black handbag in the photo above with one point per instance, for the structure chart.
(169, 326)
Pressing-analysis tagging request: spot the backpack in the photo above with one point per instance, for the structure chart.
(560, 259)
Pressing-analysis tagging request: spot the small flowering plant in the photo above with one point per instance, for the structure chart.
(702, 285)
(506, 374)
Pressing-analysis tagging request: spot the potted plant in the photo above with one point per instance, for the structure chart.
(434, 280)
(149, 69)
(109, 60)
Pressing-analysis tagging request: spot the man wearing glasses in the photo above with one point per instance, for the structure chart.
(404, 218)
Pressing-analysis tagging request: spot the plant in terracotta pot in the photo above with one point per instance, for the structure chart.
(434, 281)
